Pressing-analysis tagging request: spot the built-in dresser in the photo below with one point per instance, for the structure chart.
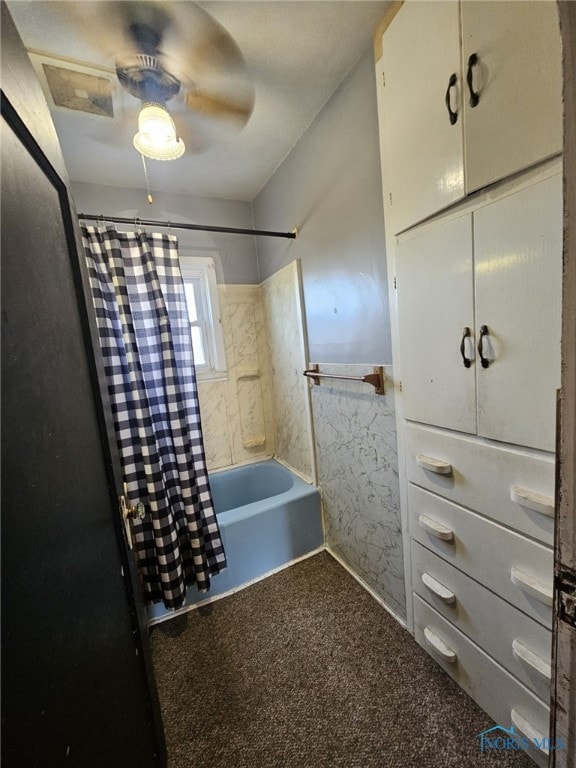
(470, 113)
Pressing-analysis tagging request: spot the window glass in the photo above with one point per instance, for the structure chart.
(201, 292)
(190, 288)
(198, 345)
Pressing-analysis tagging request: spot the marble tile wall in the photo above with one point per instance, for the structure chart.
(356, 454)
(281, 297)
(237, 413)
(215, 427)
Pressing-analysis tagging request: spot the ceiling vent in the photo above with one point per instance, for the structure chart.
(79, 91)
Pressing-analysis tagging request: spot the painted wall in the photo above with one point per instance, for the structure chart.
(234, 255)
(330, 187)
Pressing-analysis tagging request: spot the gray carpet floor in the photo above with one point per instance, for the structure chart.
(306, 670)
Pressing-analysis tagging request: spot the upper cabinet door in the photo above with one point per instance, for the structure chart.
(518, 260)
(435, 306)
(422, 151)
(515, 74)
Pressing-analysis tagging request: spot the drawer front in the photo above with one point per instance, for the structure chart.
(515, 568)
(486, 478)
(498, 693)
(517, 642)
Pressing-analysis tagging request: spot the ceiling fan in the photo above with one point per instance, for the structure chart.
(169, 53)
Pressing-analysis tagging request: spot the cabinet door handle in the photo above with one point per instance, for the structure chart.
(439, 646)
(438, 589)
(537, 502)
(434, 465)
(435, 528)
(474, 97)
(532, 586)
(529, 731)
(452, 115)
(466, 360)
(532, 659)
(483, 332)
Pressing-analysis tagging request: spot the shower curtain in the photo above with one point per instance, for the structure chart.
(144, 333)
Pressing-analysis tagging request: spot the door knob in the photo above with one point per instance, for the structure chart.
(136, 512)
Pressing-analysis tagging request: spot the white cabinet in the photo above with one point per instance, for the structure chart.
(486, 551)
(434, 278)
(469, 101)
(518, 269)
(422, 151)
(436, 146)
(497, 481)
(488, 282)
(517, 642)
(499, 693)
(518, 118)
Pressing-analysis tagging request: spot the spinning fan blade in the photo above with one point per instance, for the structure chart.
(103, 30)
(209, 64)
(219, 108)
(195, 143)
(118, 28)
(189, 44)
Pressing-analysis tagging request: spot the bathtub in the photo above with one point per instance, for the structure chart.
(267, 516)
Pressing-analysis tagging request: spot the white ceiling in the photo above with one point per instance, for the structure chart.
(296, 52)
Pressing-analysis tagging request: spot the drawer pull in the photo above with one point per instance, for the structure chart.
(434, 465)
(534, 501)
(466, 335)
(531, 733)
(436, 528)
(483, 332)
(452, 115)
(439, 646)
(532, 586)
(438, 589)
(474, 96)
(531, 659)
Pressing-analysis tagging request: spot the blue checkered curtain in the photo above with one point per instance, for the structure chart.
(144, 331)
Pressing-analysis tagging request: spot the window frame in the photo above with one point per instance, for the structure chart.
(202, 270)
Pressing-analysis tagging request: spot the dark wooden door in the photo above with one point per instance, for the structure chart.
(76, 677)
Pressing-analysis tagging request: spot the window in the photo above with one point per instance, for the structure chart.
(201, 289)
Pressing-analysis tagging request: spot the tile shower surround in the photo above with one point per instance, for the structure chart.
(262, 408)
(287, 355)
(237, 413)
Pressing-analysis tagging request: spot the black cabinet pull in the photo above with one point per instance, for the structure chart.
(474, 97)
(451, 84)
(466, 360)
(483, 332)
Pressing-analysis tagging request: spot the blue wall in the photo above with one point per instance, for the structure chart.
(330, 187)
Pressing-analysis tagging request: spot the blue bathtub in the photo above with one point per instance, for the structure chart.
(268, 517)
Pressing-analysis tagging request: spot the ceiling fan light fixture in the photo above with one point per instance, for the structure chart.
(156, 137)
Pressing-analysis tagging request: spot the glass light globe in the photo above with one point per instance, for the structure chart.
(156, 137)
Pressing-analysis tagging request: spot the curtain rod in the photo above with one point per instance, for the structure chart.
(136, 221)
